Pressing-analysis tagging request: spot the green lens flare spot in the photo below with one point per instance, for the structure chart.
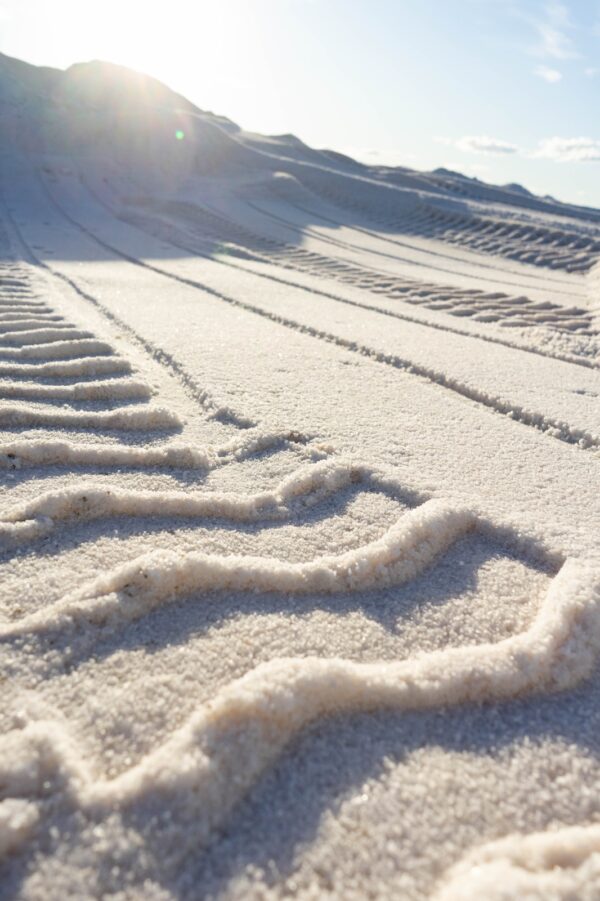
(180, 135)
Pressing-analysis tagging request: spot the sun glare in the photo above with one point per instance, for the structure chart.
(184, 44)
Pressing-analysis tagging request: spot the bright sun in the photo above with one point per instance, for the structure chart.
(188, 44)
(220, 54)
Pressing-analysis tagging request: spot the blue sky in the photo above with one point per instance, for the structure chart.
(504, 90)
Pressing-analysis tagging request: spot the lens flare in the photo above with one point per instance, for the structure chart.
(180, 135)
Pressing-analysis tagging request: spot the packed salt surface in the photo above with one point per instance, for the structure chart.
(299, 525)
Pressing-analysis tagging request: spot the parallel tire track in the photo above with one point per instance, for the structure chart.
(559, 430)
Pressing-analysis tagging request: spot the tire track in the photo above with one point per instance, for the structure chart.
(410, 291)
(562, 431)
(199, 394)
(387, 239)
(200, 767)
(335, 242)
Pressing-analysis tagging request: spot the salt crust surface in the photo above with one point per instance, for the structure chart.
(298, 546)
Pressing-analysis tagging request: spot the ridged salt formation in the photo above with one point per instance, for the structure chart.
(117, 780)
(206, 767)
(562, 864)
(19, 454)
(14, 303)
(132, 590)
(18, 819)
(147, 418)
(129, 389)
(29, 337)
(44, 514)
(85, 366)
(11, 323)
(58, 350)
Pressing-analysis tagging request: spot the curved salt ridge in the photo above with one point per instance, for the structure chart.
(18, 819)
(17, 454)
(25, 316)
(57, 350)
(224, 747)
(28, 309)
(29, 337)
(109, 390)
(559, 864)
(41, 516)
(83, 367)
(148, 418)
(13, 324)
(12, 300)
(10, 311)
(131, 590)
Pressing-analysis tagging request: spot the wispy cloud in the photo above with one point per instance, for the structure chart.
(548, 74)
(591, 71)
(560, 150)
(569, 150)
(552, 29)
(480, 144)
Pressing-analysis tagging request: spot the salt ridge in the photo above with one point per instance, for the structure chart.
(18, 454)
(131, 590)
(562, 864)
(43, 515)
(148, 418)
(273, 702)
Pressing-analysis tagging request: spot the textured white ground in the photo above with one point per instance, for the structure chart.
(299, 558)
